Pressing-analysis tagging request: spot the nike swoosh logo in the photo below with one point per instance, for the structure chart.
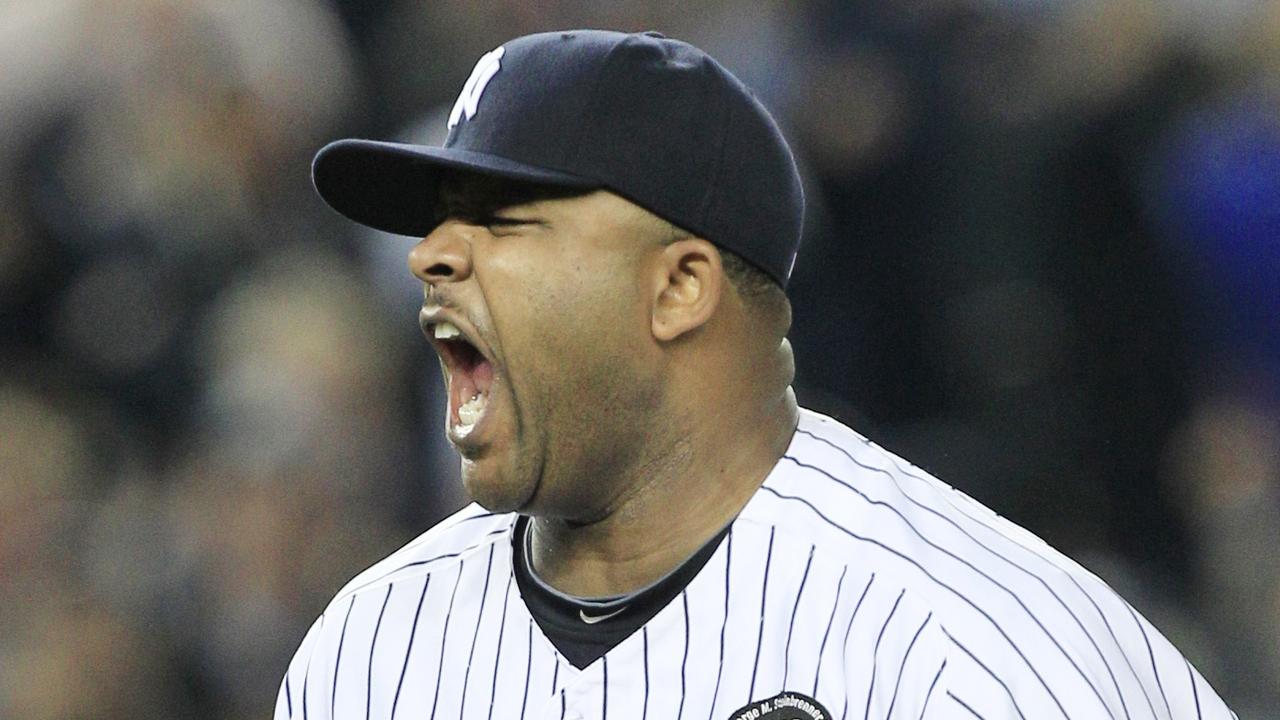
(592, 620)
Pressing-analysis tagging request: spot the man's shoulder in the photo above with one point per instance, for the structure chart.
(846, 489)
(853, 499)
(1012, 611)
(469, 530)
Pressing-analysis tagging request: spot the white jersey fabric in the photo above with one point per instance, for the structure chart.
(853, 581)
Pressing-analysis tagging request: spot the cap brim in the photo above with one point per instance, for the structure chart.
(392, 186)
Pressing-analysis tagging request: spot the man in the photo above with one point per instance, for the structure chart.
(660, 531)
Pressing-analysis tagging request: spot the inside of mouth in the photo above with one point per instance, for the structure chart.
(471, 373)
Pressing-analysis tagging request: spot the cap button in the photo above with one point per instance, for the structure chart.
(654, 34)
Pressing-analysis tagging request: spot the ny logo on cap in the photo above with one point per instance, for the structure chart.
(484, 71)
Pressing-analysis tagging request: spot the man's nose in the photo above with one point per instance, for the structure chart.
(442, 256)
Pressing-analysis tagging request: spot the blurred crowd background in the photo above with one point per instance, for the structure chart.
(1042, 261)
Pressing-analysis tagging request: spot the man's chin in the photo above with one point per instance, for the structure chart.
(494, 493)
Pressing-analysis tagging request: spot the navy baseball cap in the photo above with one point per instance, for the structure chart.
(652, 119)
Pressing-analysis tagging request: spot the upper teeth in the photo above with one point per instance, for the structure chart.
(446, 330)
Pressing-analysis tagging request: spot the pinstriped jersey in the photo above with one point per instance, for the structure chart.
(852, 585)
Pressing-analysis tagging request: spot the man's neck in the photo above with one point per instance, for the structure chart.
(671, 512)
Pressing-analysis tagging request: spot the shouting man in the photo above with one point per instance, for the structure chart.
(660, 531)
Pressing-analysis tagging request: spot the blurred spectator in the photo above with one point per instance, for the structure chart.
(46, 465)
(1228, 459)
(1214, 187)
(78, 660)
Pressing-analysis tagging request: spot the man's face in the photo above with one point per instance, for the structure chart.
(554, 381)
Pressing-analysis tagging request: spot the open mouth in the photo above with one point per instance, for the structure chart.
(470, 377)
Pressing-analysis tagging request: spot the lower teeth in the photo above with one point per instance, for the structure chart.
(470, 411)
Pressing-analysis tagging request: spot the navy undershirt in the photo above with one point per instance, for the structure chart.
(561, 616)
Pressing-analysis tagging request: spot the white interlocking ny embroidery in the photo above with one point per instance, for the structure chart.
(469, 99)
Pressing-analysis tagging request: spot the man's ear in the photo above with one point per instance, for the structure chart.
(688, 280)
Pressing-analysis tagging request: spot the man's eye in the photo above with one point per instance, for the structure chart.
(501, 223)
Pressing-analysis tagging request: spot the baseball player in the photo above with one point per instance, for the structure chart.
(660, 531)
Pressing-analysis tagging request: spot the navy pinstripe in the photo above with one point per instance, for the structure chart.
(1191, 678)
(502, 630)
(528, 669)
(902, 668)
(728, 557)
(555, 676)
(924, 706)
(823, 647)
(764, 594)
(964, 705)
(471, 654)
(684, 661)
(994, 676)
(426, 582)
(849, 628)
(1151, 654)
(786, 653)
(337, 665)
(644, 709)
(444, 637)
(368, 697)
(875, 654)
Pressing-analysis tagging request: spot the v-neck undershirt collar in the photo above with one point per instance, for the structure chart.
(584, 629)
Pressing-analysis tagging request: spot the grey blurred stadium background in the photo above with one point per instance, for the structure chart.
(1042, 259)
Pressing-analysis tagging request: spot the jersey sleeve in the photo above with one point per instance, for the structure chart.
(981, 682)
(298, 690)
